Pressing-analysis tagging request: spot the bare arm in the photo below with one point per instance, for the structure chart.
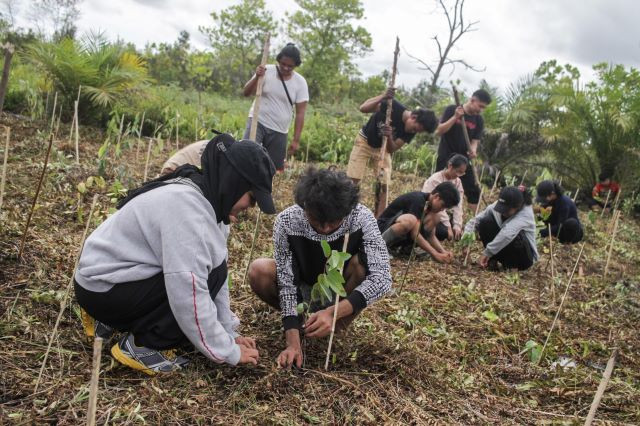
(301, 109)
(445, 126)
(252, 85)
(372, 104)
(393, 146)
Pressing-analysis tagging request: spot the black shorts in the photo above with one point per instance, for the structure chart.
(274, 142)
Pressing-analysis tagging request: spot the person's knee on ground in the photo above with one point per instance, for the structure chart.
(399, 229)
(263, 281)
(570, 232)
(442, 232)
(487, 229)
(354, 273)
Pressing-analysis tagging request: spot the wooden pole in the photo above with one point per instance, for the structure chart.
(4, 165)
(495, 183)
(575, 197)
(8, 54)
(564, 296)
(616, 200)
(77, 132)
(385, 139)
(466, 256)
(55, 134)
(481, 175)
(606, 202)
(252, 135)
(140, 136)
(553, 272)
(63, 303)
(146, 164)
(35, 197)
(613, 238)
(93, 387)
(523, 177)
(53, 112)
(606, 376)
(335, 307)
(177, 130)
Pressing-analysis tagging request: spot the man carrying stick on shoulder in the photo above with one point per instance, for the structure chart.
(453, 141)
(405, 124)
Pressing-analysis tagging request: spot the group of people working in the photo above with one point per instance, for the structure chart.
(156, 270)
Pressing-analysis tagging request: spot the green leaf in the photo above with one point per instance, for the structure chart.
(490, 315)
(300, 308)
(326, 248)
(90, 181)
(82, 188)
(334, 259)
(336, 281)
(316, 293)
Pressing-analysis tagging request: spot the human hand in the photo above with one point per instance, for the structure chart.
(319, 324)
(445, 257)
(387, 131)
(449, 233)
(390, 93)
(261, 70)
(472, 153)
(246, 341)
(459, 112)
(290, 356)
(483, 261)
(457, 232)
(248, 355)
(293, 147)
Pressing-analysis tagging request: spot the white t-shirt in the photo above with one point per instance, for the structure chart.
(275, 110)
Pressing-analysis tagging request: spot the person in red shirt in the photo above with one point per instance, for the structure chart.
(599, 193)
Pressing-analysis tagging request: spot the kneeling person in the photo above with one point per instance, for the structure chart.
(326, 208)
(507, 229)
(400, 221)
(563, 221)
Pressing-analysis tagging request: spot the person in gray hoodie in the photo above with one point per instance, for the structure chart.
(156, 269)
(507, 229)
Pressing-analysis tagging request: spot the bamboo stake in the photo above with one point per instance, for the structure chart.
(553, 273)
(140, 136)
(53, 112)
(4, 165)
(146, 164)
(63, 303)
(35, 197)
(606, 376)
(616, 200)
(564, 296)
(613, 237)
(55, 134)
(466, 256)
(306, 156)
(121, 129)
(177, 129)
(481, 175)
(335, 307)
(93, 387)
(575, 197)
(433, 165)
(606, 203)
(385, 139)
(252, 135)
(495, 183)
(75, 126)
(523, 176)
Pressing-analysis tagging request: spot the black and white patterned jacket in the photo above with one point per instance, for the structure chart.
(299, 257)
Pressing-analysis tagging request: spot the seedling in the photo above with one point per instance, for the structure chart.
(545, 213)
(533, 350)
(468, 238)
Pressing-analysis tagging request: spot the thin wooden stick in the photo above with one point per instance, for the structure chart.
(481, 175)
(63, 303)
(55, 134)
(564, 296)
(495, 182)
(523, 176)
(146, 165)
(177, 130)
(77, 132)
(120, 131)
(613, 237)
(575, 197)
(53, 112)
(466, 256)
(616, 200)
(93, 387)
(553, 272)
(606, 202)
(35, 197)
(253, 245)
(140, 136)
(256, 103)
(606, 376)
(4, 165)
(335, 307)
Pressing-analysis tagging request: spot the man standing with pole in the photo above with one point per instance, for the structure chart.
(460, 129)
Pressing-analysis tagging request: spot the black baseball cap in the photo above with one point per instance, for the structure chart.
(510, 197)
(544, 189)
(252, 161)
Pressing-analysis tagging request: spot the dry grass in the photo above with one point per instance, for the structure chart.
(436, 354)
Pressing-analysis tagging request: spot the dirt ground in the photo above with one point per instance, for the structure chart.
(450, 348)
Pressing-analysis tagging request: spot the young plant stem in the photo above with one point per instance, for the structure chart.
(606, 203)
(564, 296)
(146, 164)
(613, 238)
(606, 376)
(466, 256)
(385, 139)
(35, 197)
(63, 303)
(93, 387)
(4, 166)
(335, 308)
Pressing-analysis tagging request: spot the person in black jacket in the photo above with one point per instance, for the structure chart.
(564, 221)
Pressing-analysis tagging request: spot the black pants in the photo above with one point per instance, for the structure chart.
(570, 232)
(469, 184)
(442, 232)
(517, 254)
(142, 308)
(592, 202)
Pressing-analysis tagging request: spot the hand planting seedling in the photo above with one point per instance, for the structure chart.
(467, 239)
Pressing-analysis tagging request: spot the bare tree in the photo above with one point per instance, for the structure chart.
(457, 28)
(57, 15)
(10, 9)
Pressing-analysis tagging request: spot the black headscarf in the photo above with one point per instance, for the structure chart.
(220, 182)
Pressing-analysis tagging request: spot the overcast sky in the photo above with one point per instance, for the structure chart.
(512, 36)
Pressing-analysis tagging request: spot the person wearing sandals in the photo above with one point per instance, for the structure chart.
(282, 90)
(563, 221)
(326, 208)
(507, 229)
(156, 269)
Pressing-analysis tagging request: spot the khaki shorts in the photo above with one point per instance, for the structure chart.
(363, 154)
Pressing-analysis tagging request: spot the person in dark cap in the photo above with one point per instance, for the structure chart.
(326, 209)
(507, 229)
(564, 221)
(156, 269)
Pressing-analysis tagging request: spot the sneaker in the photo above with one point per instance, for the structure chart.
(93, 328)
(149, 361)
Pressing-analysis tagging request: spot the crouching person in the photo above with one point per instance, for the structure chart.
(156, 269)
(326, 208)
(400, 224)
(507, 229)
(563, 221)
